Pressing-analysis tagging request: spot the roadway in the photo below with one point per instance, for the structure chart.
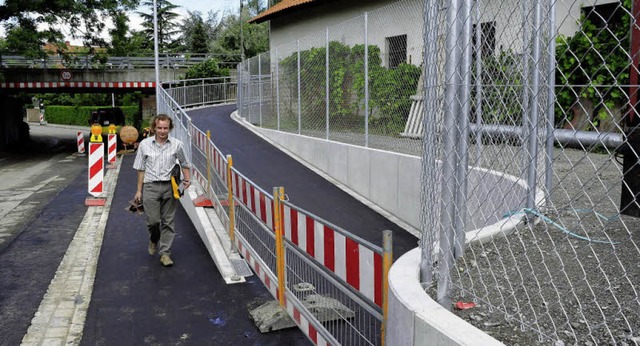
(135, 300)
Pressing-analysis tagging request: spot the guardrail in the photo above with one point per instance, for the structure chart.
(87, 61)
(298, 256)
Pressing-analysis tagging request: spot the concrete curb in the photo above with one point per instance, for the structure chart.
(62, 312)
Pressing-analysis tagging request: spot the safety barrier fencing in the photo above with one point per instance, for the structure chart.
(330, 282)
(202, 91)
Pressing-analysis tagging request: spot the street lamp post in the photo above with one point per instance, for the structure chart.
(155, 53)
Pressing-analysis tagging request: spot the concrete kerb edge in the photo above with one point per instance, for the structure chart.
(412, 230)
(429, 323)
(64, 292)
(212, 233)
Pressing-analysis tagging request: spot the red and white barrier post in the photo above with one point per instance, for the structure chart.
(80, 140)
(96, 168)
(112, 144)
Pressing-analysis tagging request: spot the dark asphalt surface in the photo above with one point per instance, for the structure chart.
(137, 301)
(267, 166)
(29, 260)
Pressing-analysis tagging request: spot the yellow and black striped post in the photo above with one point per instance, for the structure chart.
(232, 209)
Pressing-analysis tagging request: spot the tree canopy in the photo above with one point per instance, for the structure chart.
(31, 24)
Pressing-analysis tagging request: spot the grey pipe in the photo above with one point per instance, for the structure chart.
(569, 138)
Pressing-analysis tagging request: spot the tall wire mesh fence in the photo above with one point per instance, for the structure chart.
(518, 108)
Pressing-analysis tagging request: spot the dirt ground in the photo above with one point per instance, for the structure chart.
(570, 275)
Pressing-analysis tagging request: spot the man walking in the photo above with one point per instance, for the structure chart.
(155, 158)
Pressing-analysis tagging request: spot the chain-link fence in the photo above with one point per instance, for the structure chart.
(524, 108)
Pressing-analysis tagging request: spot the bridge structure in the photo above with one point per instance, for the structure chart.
(83, 74)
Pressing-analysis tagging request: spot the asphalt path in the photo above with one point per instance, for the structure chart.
(267, 166)
(137, 301)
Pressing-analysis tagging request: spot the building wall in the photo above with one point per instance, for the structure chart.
(345, 21)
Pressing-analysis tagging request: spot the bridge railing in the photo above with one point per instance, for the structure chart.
(102, 61)
(203, 91)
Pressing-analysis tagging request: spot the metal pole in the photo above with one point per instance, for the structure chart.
(203, 91)
(260, 88)
(299, 107)
(278, 193)
(387, 260)
(479, 89)
(451, 140)
(366, 80)
(232, 209)
(278, 88)
(551, 99)
(241, 33)
(463, 129)
(429, 141)
(526, 112)
(250, 101)
(326, 67)
(533, 118)
(155, 54)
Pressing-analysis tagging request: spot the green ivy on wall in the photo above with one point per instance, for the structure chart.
(389, 89)
(594, 65)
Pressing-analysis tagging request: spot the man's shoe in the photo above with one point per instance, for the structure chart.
(166, 260)
(153, 247)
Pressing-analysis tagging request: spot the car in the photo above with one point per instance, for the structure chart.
(106, 117)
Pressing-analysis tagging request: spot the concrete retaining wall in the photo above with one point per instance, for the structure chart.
(391, 180)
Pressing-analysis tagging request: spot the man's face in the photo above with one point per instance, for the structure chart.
(162, 129)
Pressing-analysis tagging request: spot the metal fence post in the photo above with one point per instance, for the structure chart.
(533, 119)
(299, 98)
(326, 64)
(451, 142)
(277, 89)
(260, 89)
(249, 100)
(551, 100)
(203, 91)
(429, 141)
(463, 129)
(387, 260)
(366, 80)
(232, 209)
(278, 193)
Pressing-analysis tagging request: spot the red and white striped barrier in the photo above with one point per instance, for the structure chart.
(271, 283)
(353, 262)
(48, 85)
(96, 168)
(112, 146)
(260, 204)
(80, 141)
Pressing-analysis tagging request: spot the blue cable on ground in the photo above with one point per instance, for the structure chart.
(564, 230)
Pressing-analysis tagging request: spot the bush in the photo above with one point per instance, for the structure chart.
(79, 115)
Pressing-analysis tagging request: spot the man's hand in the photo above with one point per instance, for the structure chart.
(186, 183)
(138, 197)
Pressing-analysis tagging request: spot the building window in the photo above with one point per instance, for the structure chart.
(487, 39)
(397, 50)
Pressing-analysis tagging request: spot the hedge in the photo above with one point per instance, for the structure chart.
(79, 115)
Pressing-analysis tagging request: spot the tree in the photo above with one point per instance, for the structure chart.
(234, 31)
(166, 23)
(197, 33)
(31, 24)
